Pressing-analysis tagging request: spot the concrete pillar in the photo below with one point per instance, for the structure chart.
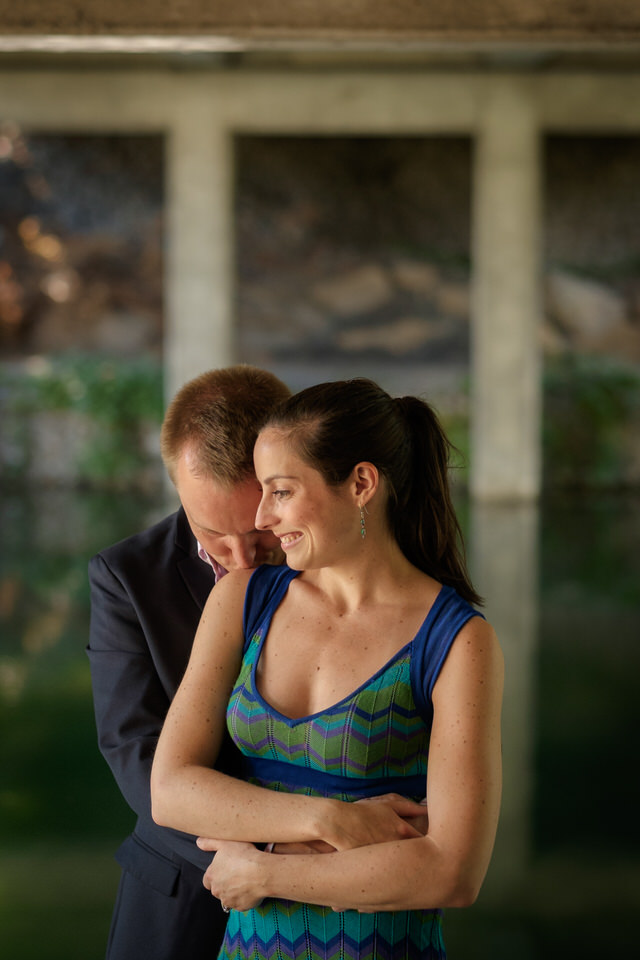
(199, 269)
(506, 389)
(503, 561)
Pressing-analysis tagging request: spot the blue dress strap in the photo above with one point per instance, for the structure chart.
(432, 643)
(266, 588)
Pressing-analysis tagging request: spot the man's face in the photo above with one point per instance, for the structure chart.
(223, 519)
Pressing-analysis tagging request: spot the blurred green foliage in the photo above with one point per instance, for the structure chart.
(106, 389)
(591, 411)
(55, 781)
(591, 426)
(119, 399)
(591, 406)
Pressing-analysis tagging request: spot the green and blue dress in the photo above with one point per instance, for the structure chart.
(374, 741)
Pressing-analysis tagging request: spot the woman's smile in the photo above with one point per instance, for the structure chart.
(289, 539)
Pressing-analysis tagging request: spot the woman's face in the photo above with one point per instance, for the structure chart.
(317, 524)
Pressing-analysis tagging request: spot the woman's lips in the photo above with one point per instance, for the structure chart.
(289, 540)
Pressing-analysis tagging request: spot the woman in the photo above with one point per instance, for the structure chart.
(361, 667)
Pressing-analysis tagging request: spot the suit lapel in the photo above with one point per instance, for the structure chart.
(197, 575)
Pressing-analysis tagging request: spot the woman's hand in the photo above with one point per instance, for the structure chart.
(374, 820)
(234, 876)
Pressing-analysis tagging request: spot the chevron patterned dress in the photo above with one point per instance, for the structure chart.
(374, 741)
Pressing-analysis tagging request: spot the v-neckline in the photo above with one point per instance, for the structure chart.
(308, 718)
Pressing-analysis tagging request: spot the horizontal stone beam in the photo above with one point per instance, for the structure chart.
(466, 20)
(335, 103)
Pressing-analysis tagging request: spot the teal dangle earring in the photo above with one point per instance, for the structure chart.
(363, 526)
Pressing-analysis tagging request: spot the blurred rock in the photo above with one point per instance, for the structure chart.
(125, 334)
(584, 309)
(398, 338)
(622, 342)
(360, 291)
(415, 277)
(453, 300)
(553, 341)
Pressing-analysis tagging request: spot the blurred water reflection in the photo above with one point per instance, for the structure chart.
(562, 590)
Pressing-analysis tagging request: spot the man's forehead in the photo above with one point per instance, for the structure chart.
(221, 510)
(226, 527)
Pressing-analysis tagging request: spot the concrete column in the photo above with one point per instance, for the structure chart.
(506, 388)
(199, 269)
(503, 561)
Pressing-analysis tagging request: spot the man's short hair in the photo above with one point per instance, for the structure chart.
(217, 416)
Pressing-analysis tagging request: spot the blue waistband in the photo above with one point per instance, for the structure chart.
(292, 776)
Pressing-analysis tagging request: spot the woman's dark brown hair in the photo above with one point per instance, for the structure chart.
(335, 425)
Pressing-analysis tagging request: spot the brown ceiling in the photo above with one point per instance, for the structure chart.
(568, 21)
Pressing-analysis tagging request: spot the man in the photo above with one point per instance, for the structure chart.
(147, 594)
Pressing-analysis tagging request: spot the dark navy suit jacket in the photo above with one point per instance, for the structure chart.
(147, 594)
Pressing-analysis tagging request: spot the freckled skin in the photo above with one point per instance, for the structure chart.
(337, 632)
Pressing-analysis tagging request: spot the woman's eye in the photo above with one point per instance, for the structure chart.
(280, 494)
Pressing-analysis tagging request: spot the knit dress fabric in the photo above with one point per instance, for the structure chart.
(374, 741)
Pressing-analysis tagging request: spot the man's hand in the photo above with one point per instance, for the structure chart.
(375, 820)
(234, 875)
(311, 846)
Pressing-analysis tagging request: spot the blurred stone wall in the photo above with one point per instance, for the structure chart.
(352, 255)
(348, 249)
(357, 251)
(592, 246)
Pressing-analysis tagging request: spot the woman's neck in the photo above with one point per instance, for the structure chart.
(379, 574)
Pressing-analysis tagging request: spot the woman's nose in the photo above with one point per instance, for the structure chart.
(263, 521)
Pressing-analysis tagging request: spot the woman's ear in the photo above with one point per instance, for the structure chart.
(366, 480)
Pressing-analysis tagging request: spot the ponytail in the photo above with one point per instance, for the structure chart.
(421, 512)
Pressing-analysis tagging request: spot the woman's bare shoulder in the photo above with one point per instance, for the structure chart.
(475, 654)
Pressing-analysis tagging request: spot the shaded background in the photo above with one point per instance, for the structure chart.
(351, 256)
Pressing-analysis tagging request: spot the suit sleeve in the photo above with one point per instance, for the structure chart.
(130, 701)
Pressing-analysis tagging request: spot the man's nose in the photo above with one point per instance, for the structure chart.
(243, 553)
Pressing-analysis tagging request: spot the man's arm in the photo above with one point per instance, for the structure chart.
(130, 700)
